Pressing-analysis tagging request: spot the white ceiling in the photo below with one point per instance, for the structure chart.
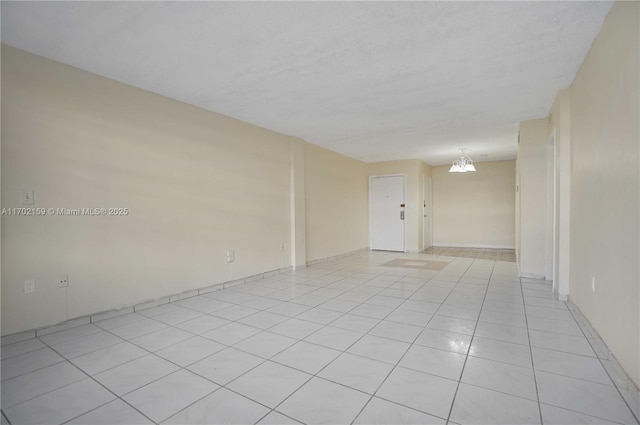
(372, 80)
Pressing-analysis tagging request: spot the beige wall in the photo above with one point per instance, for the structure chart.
(196, 184)
(475, 209)
(336, 203)
(532, 165)
(413, 169)
(560, 120)
(605, 185)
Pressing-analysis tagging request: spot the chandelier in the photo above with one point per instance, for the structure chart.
(462, 164)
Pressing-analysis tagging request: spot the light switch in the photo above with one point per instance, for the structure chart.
(27, 197)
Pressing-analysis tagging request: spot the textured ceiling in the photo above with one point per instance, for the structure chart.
(372, 80)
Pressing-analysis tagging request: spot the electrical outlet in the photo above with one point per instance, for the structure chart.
(231, 256)
(63, 281)
(29, 286)
(593, 284)
(283, 246)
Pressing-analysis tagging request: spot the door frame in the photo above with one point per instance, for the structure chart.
(404, 196)
(429, 210)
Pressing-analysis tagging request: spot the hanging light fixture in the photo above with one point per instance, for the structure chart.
(462, 164)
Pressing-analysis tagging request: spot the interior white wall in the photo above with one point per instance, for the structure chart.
(560, 119)
(532, 177)
(336, 203)
(605, 173)
(196, 184)
(475, 209)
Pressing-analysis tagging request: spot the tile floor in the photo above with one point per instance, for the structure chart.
(480, 253)
(341, 342)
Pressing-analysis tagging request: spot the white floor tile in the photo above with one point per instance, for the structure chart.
(265, 344)
(210, 306)
(220, 407)
(323, 402)
(398, 331)
(134, 374)
(60, 405)
(372, 311)
(419, 306)
(586, 397)
(452, 324)
(275, 418)
(289, 309)
(355, 323)
(507, 378)
(225, 365)
(458, 343)
(178, 316)
(554, 325)
(382, 349)
(342, 306)
(319, 315)
(83, 345)
(295, 328)
(41, 381)
(306, 357)
(161, 339)
(116, 412)
(28, 362)
(106, 358)
(263, 320)
(231, 333)
(69, 334)
(561, 342)
(235, 312)
(21, 347)
(190, 351)
(382, 412)
(115, 322)
(168, 395)
(460, 312)
(339, 339)
(501, 351)
(357, 372)
(138, 328)
(202, 324)
(269, 383)
(436, 362)
(572, 365)
(502, 318)
(474, 405)
(428, 393)
(557, 416)
(502, 333)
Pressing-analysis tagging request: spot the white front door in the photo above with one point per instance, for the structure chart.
(387, 213)
(427, 214)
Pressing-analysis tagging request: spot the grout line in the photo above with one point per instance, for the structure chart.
(372, 275)
(533, 368)
(464, 365)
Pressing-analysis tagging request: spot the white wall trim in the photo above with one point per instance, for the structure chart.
(532, 275)
(621, 380)
(438, 245)
(130, 308)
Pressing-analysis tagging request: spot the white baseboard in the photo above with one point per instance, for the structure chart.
(462, 245)
(532, 275)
